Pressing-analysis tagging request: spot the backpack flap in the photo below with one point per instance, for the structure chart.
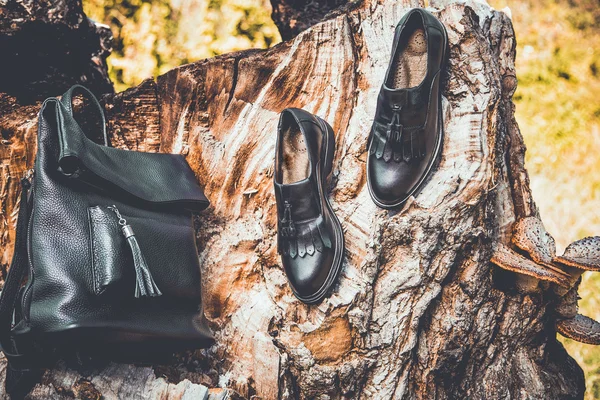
(144, 177)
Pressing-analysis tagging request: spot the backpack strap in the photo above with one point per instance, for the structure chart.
(20, 373)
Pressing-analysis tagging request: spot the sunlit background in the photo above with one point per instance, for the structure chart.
(154, 36)
(558, 98)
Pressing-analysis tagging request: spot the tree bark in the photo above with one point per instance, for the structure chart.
(295, 16)
(47, 46)
(419, 311)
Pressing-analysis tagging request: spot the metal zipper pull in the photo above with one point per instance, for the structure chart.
(27, 178)
(145, 285)
(29, 174)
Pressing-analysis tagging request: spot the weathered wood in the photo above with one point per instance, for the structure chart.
(116, 382)
(419, 311)
(294, 16)
(47, 46)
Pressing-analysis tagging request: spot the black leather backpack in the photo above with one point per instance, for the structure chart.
(106, 241)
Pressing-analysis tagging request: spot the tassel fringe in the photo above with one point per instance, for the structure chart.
(311, 237)
(402, 144)
(144, 282)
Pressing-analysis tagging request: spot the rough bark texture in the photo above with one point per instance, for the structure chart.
(419, 311)
(295, 16)
(47, 46)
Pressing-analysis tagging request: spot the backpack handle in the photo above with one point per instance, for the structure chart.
(67, 102)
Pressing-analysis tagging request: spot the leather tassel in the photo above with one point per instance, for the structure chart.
(300, 242)
(314, 231)
(310, 245)
(145, 285)
(144, 282)
(380, 147)
(405, 154)
(323, 234)
(310, 237)
(388, 151)
(399, 144)
(293, 248)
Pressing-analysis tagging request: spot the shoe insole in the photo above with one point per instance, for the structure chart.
(410, 65)
(295, 162)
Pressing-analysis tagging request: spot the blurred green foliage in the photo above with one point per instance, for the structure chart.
(154, 36)
(558, 110)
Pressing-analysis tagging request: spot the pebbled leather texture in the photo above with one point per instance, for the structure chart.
(406, 134)
(309, 235)
(109, 253)
(81, 283)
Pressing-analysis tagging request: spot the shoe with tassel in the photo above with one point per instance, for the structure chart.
(309, 235)
(406, 136)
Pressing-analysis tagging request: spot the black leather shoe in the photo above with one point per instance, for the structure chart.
(309, 235)
(406, 135)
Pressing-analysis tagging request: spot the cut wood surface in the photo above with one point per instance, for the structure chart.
(419, 311)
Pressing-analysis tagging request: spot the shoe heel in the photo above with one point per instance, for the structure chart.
(330, 150)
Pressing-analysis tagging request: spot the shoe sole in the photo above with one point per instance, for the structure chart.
(436, 151)
(339, 234)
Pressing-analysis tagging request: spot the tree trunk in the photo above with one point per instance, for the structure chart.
(47, 46)
(419, 311)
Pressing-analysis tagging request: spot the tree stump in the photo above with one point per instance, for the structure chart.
(419, 311)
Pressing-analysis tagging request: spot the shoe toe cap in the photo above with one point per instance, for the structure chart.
(307, 275)
(392, 182)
